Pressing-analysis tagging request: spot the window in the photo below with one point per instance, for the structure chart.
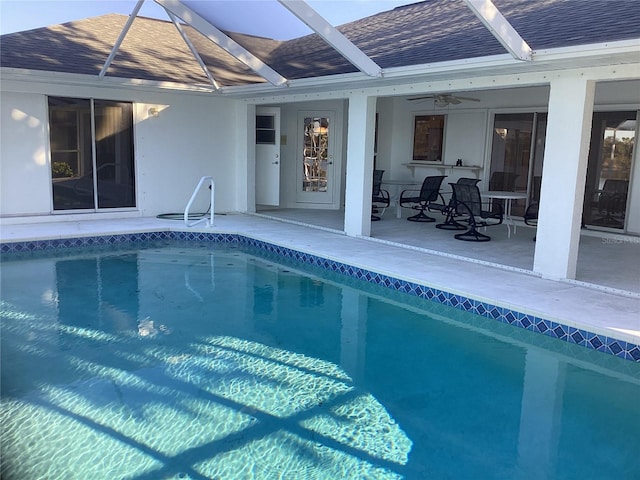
(265, 130)
(428, 134)
(92, 164)
(316, 154)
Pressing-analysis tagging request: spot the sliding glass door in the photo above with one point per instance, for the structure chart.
(92, 164)
(114, 154)
(609, 169)
(516, 155)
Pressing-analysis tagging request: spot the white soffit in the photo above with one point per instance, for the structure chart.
(332, 36)
(191, 17)
(500, 28)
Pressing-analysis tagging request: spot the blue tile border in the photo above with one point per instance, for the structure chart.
(612, 346)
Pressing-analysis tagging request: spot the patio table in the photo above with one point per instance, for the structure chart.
(395, 189)
(507, 198)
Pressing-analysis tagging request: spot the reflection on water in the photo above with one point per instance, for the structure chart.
(179, 362)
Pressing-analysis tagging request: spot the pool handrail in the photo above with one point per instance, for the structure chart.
(204, 218)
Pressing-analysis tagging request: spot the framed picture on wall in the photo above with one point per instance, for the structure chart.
(428, 138)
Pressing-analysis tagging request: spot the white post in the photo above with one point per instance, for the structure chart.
(563, 177)
(246, 160)
(359, 183)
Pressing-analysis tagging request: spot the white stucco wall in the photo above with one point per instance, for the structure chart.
(194, 135)
(465, 138)
(24, 164)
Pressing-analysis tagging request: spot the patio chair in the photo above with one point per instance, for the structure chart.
(531, 215)
(469, 203)
(380, 199)
(611, 202)
(449, 210)
(420, 200)
(503, 181)
(468, 181)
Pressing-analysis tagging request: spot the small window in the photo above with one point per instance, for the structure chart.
(428, 135)
(265, 130)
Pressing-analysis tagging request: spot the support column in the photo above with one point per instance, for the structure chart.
(245, 200)
(563, 177)
(359, 183)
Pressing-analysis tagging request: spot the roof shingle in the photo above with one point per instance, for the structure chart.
(421, 33)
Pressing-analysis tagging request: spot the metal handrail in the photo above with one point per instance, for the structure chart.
(193, 197)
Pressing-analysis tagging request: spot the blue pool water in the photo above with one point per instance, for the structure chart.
(203, 361)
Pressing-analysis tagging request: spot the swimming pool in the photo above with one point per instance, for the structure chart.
(198, 360)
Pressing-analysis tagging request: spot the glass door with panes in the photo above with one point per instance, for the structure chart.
(315, 162)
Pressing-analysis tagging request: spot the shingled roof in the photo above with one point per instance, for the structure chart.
(152, 50)
(422, 33)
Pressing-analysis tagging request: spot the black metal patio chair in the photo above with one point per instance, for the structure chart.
(420, 200)
(611, 203)
(531, 215)
(380, 199)
(469, 204)
(449, 210)
(503, 181)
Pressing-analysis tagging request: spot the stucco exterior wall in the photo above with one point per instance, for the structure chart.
(24, 161)
(194, 135)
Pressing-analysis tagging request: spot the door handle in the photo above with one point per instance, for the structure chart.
(274, 163)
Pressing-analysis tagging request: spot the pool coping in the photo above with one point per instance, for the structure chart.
(486, 308)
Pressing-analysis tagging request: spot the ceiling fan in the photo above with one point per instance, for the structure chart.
(444, 99)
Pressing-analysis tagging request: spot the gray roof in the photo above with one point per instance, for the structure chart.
(152, 50)
(427, 32)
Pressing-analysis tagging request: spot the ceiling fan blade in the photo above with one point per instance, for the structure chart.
(444, 99)
(421, 98)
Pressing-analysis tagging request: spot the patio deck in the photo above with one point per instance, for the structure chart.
(605, 261)
(613, 313)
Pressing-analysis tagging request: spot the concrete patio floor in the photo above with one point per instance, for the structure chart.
(605, 260)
